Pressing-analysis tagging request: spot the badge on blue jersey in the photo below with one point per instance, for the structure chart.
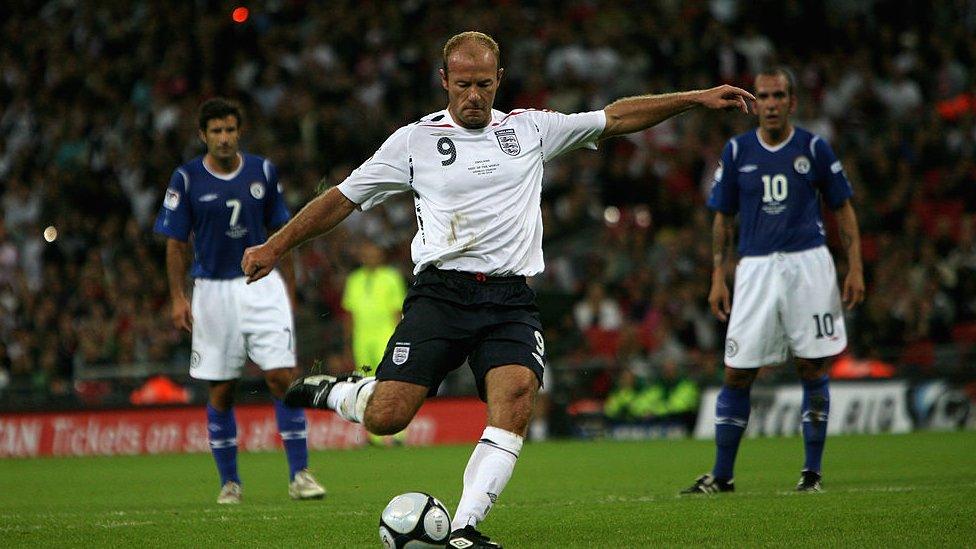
(801, 165)
(172, 199)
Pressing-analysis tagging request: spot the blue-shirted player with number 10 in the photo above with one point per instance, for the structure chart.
(228, 200)
(786, 294)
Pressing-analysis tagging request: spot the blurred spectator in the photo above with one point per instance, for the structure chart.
(97, 103)
(600, 320)
(672, 398)
(619, 404)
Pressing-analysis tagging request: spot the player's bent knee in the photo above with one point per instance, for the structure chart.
(392, 405)
(511, 395)
(512, 384)
(385, 421)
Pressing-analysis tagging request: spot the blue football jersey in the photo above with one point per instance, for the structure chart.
(226, 214)
(776, 191)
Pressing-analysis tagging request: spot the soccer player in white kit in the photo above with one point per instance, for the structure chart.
(786, 294)
(476, 177)
(227, 200)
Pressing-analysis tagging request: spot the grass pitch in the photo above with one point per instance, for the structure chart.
(914, 490)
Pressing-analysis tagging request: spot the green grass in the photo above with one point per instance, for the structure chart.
(902, 490)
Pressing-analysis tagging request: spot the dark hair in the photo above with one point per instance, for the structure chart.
(783, 71)
(218, 107)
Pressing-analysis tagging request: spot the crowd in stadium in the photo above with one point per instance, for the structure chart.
(100, 105)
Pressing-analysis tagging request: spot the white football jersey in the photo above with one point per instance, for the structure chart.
(477, 193)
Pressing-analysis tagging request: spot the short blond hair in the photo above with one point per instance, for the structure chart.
(464, 38)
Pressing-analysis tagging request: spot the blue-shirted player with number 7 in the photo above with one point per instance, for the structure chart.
(228, 200)
(786, 294)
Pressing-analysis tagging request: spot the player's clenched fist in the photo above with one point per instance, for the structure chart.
(258, 261)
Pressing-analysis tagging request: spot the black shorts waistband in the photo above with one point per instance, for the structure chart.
(474, 277)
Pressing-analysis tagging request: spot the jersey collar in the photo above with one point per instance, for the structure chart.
(229, 176)
(776, 148)
(449, 118)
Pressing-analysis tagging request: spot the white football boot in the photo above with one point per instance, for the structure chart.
(230, 493)
(304, 486)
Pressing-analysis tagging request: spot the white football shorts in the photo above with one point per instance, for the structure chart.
(785, 301)
(233, 320)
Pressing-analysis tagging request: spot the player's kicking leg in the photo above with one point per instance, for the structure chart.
(731, 418)
(816, 408)
(365, 370)
(313, 391)
(382, 407)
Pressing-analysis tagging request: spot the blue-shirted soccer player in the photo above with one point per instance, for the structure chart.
(786, 294)
(227, 200)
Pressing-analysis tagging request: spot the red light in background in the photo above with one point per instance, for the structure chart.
(239, 15)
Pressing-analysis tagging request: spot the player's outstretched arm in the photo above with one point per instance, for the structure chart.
(318, 217)
(634, 114)
(723, 236)
(850, 238)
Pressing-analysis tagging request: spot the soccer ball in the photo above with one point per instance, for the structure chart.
(414, 520)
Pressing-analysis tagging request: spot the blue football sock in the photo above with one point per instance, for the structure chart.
(294, 435)
(816, 407)
(731, 418)
(222, 432)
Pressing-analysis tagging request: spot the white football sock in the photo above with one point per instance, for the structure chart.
(349, 398)
(486, 475)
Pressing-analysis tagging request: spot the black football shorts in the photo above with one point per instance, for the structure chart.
(450, 316)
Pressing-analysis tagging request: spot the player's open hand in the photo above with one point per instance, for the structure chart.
(258, 261)
(727, 97)
(720, 300)
(853, 288)
(182, 315)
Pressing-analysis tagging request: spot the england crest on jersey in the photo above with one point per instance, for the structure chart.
(508, 141)
(401, 354)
